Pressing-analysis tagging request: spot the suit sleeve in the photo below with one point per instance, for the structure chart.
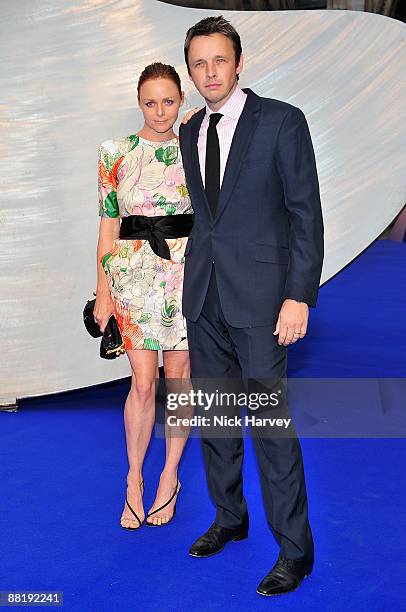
(297, 168)
(182, 139)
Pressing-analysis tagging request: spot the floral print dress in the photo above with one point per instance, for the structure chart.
(141, 177)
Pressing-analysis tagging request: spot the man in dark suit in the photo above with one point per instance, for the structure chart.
(252, 268)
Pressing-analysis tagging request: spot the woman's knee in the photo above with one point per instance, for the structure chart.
(143, 389)
(177, 366)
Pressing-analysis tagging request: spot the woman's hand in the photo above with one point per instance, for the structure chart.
(103, 309)
(109, 231)
(190, 114)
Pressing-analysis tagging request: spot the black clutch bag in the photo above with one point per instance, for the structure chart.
(112, 344)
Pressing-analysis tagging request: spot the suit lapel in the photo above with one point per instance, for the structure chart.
(244, 131)
(243, 134)
(195, 159)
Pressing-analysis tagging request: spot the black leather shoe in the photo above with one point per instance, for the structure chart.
(215, 538)
(285, 576)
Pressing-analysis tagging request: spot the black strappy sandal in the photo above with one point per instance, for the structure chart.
(176, 493)
(133, 512)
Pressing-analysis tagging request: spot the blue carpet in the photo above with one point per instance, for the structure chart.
(63, 468)
(358, 326)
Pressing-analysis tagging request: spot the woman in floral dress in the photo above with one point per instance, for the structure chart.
(142, 175)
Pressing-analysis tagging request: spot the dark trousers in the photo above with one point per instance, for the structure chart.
(219, 351)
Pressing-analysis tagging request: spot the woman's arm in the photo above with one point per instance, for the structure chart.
(109, 230)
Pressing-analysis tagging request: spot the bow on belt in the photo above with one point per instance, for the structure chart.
(156, 229)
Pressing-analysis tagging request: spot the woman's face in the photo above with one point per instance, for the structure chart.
(160, 100)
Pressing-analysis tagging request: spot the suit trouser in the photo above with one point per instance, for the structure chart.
(220, 351)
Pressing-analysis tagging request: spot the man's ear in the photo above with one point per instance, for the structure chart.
(240, 65)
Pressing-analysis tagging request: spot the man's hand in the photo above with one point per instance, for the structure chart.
(190, 114)
(292, 322)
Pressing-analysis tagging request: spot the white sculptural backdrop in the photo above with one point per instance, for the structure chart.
(69, 79)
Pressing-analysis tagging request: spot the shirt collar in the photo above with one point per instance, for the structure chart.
(233, 107)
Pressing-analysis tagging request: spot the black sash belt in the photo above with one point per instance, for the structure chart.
(156, 229)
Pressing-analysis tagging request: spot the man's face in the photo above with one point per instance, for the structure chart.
(212, 67)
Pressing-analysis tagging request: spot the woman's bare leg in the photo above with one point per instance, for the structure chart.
(139, 416)
(176, 366)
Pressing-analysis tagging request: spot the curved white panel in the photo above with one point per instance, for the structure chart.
(69, 82)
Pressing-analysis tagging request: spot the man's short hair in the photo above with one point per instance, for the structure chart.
(213, 25)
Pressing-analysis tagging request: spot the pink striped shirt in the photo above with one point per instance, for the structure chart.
(231, 110)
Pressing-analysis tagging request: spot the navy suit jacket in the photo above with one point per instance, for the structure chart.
(266, 239)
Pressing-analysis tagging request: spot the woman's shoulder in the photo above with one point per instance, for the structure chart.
(118, 146)
(110, 151)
